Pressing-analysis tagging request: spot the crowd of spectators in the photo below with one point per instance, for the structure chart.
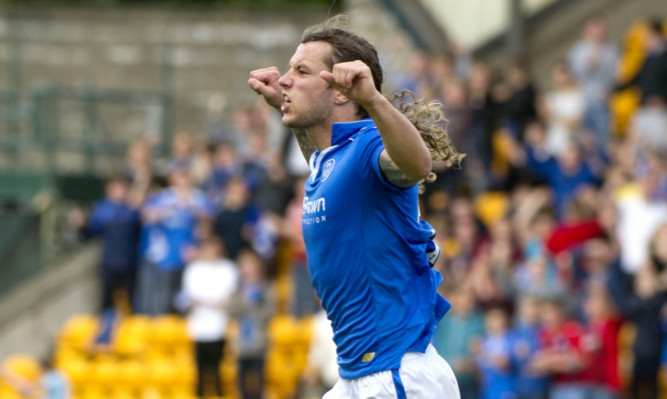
(553, 231)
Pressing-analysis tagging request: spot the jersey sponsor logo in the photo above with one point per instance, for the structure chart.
(313, 211)
(327, 168)
(314, 206)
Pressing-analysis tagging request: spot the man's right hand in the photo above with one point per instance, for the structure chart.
(265, 83)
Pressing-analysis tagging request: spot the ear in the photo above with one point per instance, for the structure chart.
(340, 98)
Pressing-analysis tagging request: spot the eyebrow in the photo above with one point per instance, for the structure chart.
(298, 65)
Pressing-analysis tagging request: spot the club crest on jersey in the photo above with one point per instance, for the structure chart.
(327, 168)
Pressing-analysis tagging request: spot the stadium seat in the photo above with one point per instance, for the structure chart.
(123, 393)
(105, 373)
(78, 332)
(132, 336)
(491, 206)
(23, 366)
(169, 331)
(283, 330)
(94, 393)
(77, 370)
(8, 393)
(131, 374)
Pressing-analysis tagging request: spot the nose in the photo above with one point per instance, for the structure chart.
(285, 80)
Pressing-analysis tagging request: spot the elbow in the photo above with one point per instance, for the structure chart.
(422, 170)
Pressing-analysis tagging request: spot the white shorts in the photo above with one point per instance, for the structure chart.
(421, 376)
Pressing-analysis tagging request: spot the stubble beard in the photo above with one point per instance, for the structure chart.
(313, 116)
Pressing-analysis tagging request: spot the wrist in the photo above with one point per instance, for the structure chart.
(377, 101)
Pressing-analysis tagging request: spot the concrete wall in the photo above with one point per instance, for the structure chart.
(209, 50)
(31, 315)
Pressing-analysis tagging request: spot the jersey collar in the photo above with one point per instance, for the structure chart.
(342, 131)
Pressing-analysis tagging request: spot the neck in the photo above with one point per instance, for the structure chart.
(320, 135)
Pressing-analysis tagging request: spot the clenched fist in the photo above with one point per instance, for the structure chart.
(355, 80)
(265, 83)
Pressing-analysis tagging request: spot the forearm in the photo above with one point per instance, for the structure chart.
(401, 139)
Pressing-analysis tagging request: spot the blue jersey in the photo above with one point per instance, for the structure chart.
(497, 383)
(525, 344)
(166, 240)
(119, 226)
(366, 251)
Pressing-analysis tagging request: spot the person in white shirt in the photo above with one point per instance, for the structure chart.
(208, 284)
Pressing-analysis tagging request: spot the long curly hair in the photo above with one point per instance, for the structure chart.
(427, 117)
(430, 121)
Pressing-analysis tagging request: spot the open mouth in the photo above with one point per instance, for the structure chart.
(286, 102)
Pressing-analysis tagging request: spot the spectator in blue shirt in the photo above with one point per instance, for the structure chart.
(455, 335)
(494, 357)
(525, 343)
(564, 174)
(116, 221)
(171, 219)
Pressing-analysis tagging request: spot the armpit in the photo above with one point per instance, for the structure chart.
(393, 173)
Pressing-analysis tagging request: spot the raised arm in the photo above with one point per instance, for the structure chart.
(405, 160)
(265, 83)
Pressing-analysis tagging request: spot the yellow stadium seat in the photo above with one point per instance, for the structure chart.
(183, 391)
(77, 370)
(132, 336)
(132, 374)
(228, 372)
(162, 374)
(105, 373)
(491, 206)
(123, 393)
(186, 373)
(23, 366)
(181, 395)
(283, 292)
(152, 393)
(78, 331)
(304, 331)
(169, 330)
(94, 393)
(8, 393)
(283, 330)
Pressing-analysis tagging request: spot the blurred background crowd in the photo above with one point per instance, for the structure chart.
(553, 234)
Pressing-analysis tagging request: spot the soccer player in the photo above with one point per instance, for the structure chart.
(365, 244)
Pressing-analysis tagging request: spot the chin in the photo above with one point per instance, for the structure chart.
(291, 122)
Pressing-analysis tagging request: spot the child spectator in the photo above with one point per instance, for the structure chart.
(208, 284)
(601, 340)
(253, 305)
(116, 220)
(454, 337)
(236, 219)
(525, 344)
(494, 355)
(561, 354)
(54, 383)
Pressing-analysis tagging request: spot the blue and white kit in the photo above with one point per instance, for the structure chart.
(367, 252)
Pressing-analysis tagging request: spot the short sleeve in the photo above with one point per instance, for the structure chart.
(369, 146)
